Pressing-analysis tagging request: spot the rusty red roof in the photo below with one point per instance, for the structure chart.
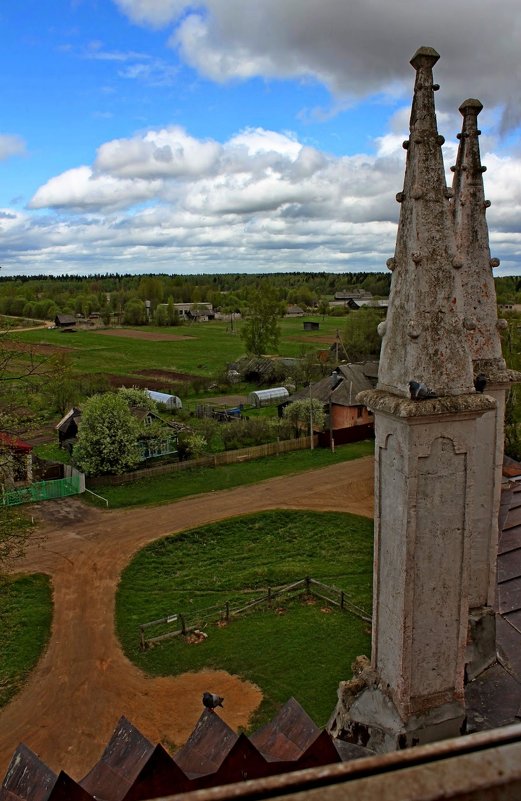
(11, 441)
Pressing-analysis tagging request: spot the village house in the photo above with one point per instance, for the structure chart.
(164, 443)
(338, 393)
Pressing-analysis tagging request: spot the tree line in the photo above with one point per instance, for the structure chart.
(43, 297)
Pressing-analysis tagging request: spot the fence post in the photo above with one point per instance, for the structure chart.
(308, 584)
(142, 637)
(183, 626)
(269, 596)
(227, 613)
(341, 599)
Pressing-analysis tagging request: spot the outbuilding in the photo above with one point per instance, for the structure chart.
(170, 401)
(64, 321)
(268, 397)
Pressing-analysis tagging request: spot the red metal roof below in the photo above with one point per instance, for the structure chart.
(10, 441)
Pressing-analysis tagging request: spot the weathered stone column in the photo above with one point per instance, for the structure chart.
(484, 344)
(424, 477)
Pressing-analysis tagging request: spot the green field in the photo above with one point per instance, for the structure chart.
(208, 350)
(25, 622)
(302, 652)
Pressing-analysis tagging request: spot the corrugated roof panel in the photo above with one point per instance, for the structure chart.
(208, 745)
(120, 763)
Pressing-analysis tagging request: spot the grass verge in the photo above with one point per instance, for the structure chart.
(173, 486)
(302, 651)
(25, 622)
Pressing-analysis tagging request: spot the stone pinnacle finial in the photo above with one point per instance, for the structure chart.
(424, 337)
(424, 56)
(471, 234)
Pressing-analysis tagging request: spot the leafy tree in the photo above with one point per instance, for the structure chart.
(161, 315)
(107, 436)
(361, 337)
(302, 413)
(261, 330)
(151, 288)
(323, 308)
(62, 389)
(135, 312)
(26, 369)
(172, 313)
(134, 396)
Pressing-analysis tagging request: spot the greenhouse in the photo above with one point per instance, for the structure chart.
(170, 401)
(268, 397)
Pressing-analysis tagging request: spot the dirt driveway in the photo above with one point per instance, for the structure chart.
(83, 682)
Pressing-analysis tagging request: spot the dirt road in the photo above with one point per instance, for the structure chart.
(83, 682)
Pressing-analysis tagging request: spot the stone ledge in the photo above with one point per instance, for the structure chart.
(378, 400)
(497, 375)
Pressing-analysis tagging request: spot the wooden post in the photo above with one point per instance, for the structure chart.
(227, 613)
(142, 638)
(269, 596)
(341, 599)
(308, 584)
(183, 626)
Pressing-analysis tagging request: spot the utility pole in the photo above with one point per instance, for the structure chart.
(310, 420)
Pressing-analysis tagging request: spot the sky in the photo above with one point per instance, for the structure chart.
(253, 136)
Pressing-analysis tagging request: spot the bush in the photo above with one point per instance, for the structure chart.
(191, 445)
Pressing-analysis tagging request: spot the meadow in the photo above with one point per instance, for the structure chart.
(298, 648)
(203, 349)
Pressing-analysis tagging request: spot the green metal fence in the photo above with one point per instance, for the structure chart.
(43, 491)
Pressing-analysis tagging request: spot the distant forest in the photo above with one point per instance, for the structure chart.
(42, 297)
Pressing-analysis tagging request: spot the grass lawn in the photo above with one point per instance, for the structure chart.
(25, 622)
(207, 351)
(304, 651)
(173, 486)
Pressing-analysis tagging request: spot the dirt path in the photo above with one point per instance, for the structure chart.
(83, 683)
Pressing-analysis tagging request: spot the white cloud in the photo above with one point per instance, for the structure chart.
(80, 188)
(356, 49)
(170, 152)
(260, 201)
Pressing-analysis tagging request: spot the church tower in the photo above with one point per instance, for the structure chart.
(484, 344)
(413, 689)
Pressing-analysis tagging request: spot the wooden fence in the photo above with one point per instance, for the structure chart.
(217, 459)
(226, 612)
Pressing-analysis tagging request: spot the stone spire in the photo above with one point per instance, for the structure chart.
(423, 336)
(471, 232)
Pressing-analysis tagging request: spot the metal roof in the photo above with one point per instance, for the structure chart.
(343, 388)
(131, 768)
